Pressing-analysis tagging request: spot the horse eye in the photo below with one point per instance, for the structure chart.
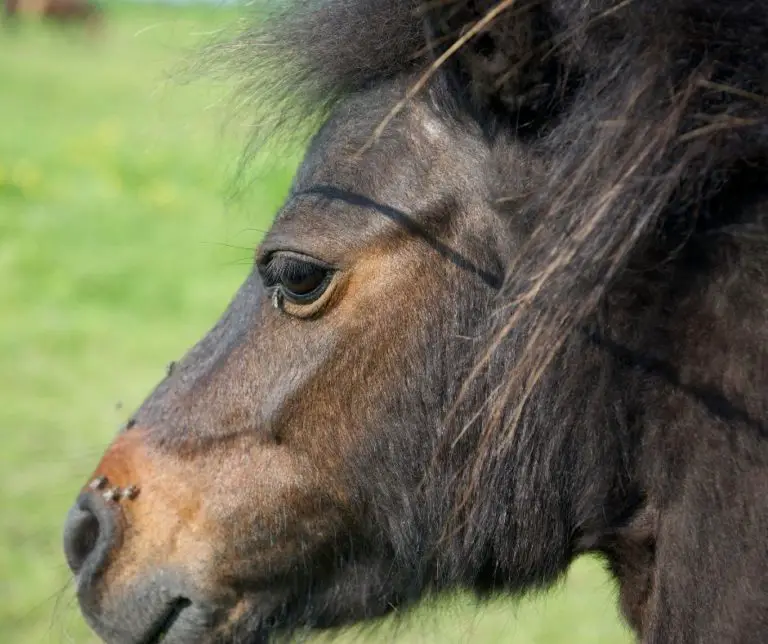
(299, 279)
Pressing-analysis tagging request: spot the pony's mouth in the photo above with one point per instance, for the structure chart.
(162, 627)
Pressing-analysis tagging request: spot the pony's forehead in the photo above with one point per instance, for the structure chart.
(395, 152)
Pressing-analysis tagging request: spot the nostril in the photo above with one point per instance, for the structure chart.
(81, 534)
(88, 533)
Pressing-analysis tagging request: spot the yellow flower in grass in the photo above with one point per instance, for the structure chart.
(80, 155)
(109, 133)
(160, 195)
(26, 176)
(115, 183)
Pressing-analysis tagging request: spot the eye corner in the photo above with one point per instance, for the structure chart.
(261, 262)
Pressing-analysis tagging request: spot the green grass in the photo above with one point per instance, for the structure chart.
(118, 248)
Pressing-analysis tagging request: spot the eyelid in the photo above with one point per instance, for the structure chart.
(265, 256)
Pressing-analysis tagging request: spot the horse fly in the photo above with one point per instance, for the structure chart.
(98, 483)
(130, 493)
(277, 299)
(112, 494)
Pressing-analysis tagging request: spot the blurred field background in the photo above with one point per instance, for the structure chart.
(120, 245)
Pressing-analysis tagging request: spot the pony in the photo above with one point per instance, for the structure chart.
(512, 311)
(60, 11)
